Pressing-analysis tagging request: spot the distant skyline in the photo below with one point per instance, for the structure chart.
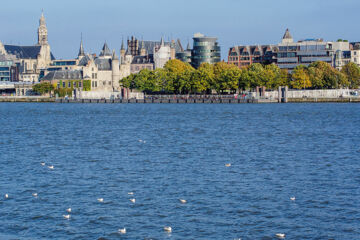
(234, 22)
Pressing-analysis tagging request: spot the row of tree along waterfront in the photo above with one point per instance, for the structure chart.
(178, 77)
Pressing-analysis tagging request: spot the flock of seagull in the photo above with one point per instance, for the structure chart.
(167, 229)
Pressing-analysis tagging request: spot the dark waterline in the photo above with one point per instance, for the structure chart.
(310, 151)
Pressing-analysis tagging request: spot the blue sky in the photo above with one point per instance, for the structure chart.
(234, 22)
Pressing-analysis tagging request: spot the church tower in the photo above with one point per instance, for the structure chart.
(42, 31)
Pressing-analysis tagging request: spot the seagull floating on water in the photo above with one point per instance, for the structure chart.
(182, 200)
(68, 210)
(132, 200)
(280, 235)
(130, 193)
(122, 230)
(100, 200)
(228, 165)
(66, 216)
(51, 167)
(43, 164)
(140, 140)
(6, 195)
(35, 194)
(168, 229)
(292, 198)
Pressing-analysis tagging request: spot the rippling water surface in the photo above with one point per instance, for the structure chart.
(163, 153)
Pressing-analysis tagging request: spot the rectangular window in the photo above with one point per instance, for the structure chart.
(69, 84)
(79, 84)
(63, 84)
(95, 84)
(95, 75)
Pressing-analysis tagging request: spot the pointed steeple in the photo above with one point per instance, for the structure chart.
(81, 50)
(105, 50)
(287, 38)
(188, 48)
(287, 34)
(42, 19)
(42, 31)
(122, 44)
(162, 44)
(114, 57)
(143, 49)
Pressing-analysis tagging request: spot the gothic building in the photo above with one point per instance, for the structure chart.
(147, 54)
(102, 70)
(31, 60)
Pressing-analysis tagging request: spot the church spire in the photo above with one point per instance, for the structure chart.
(188, 48)
(162, 44)
(122, 44)
(42, 18)
(81, 50)
(42, 31)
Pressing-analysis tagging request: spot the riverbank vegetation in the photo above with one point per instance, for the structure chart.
(181, 78)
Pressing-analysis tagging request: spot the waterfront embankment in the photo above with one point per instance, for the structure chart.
(179, 101)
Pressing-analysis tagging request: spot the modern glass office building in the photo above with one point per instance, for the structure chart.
(205, 50)
(8, 70)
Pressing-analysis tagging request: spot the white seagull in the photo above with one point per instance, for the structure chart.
(43, 164)
(66, 216)
(122, 230)
(280, 235)
(35, 194)
(68, 210)
(130, 193)
(182, 201)
(100, 200)
(6, 195)
(168, 229)
(292, 198)
(51, 167)
(132, 200)
(228, 165)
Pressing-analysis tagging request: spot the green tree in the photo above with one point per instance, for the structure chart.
(178, 73)
(352, 73)
(300, 78)
(42, 88)
(203, 78)
(226, 77)
(128, 82)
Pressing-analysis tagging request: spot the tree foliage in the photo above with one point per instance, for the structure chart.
(181, 78)
(42, 88)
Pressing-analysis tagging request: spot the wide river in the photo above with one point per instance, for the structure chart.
(166, 152)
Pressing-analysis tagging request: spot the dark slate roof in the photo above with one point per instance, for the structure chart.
(105, 51)
(25, 52)
(103, 64)
(262, 49)
(149, 46)
(64, 75)
(84, 61)
(287, 34)
(142, 59)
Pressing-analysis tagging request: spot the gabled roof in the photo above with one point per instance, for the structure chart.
(25, 52)
(149, 46)
(84, 61)
(103, 64)
(142, 59)
(105, 50)
(63, 75)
